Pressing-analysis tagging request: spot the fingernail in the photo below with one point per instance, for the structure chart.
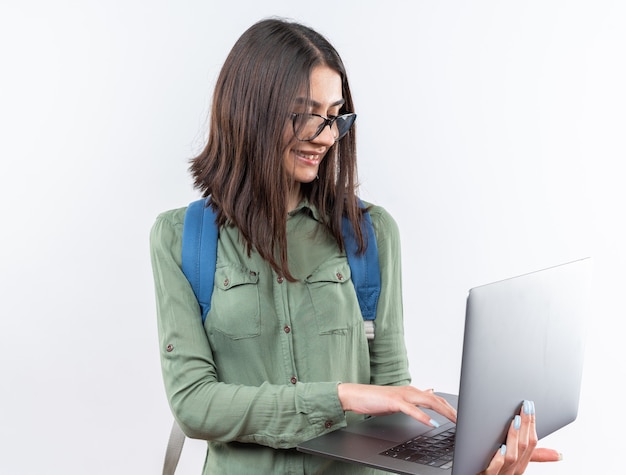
(434, 423)
(532, 407)
(527, 407)
(560, 456)
(517, 422)
(503, 449)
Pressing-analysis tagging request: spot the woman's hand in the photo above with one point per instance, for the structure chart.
(521, 446)
(382, 400)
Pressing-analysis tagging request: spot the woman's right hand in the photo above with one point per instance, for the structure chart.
(383, 400)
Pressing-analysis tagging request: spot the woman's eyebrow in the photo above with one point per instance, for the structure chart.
(311, 102)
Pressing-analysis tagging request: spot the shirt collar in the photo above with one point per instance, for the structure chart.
(307, 208)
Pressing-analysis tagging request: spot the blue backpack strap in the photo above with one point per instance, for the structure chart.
(199, 252)
(365, 268)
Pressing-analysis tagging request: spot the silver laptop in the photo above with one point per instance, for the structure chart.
(524, 339)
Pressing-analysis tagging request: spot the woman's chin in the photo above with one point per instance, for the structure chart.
(306, 177)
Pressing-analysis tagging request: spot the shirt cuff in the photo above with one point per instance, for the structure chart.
(320, 402)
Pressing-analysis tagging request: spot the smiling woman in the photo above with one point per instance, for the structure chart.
(274, 70)
(283, 355)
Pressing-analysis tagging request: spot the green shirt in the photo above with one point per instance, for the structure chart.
(261, 375)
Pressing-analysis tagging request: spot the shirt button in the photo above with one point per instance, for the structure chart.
(339, 276)
(280, 280)
(169, 348)
(226, 282)
(287, 329)
(294, 380)
(328, 424)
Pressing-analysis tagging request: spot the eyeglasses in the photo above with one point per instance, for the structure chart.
(308, 126)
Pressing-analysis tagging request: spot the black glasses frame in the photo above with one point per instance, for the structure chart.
(327, 121)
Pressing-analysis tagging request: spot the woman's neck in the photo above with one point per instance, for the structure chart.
(294, 197)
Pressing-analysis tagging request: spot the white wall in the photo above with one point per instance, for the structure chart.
(492, 130)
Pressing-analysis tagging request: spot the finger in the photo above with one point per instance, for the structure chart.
(415, 412)
(526, 414)
(512, 444)
(546, 455)
(497, 462)
(527, 437)
(531, 441)
(430, 400)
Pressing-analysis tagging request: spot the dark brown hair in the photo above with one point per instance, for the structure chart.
(241, 167)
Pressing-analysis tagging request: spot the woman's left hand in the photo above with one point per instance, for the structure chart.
(521, 446)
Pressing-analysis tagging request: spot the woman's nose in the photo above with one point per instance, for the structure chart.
(326, 136)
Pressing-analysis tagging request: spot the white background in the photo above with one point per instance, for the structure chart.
(492, 130)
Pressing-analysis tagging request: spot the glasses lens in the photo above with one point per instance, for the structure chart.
(343, 124)
(307, 126)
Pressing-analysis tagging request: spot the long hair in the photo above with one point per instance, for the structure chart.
(241, 167)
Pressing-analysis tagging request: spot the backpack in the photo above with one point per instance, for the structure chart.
(199, 256)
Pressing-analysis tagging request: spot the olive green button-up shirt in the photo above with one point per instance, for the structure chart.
(261, 374)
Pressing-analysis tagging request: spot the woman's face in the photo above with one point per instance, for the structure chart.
(302, 159)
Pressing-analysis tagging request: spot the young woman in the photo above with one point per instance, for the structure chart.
(282, 355)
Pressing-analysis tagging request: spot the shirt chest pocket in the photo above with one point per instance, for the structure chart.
(333, 297)
(235, 307)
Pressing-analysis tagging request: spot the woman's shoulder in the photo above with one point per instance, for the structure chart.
(173, 217)
(168, 225)
(380, 216)
(384, 223)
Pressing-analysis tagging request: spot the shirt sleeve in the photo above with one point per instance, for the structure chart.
(205, 408)
(388, 357)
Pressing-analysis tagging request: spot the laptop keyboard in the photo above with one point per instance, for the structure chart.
(433, 450)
